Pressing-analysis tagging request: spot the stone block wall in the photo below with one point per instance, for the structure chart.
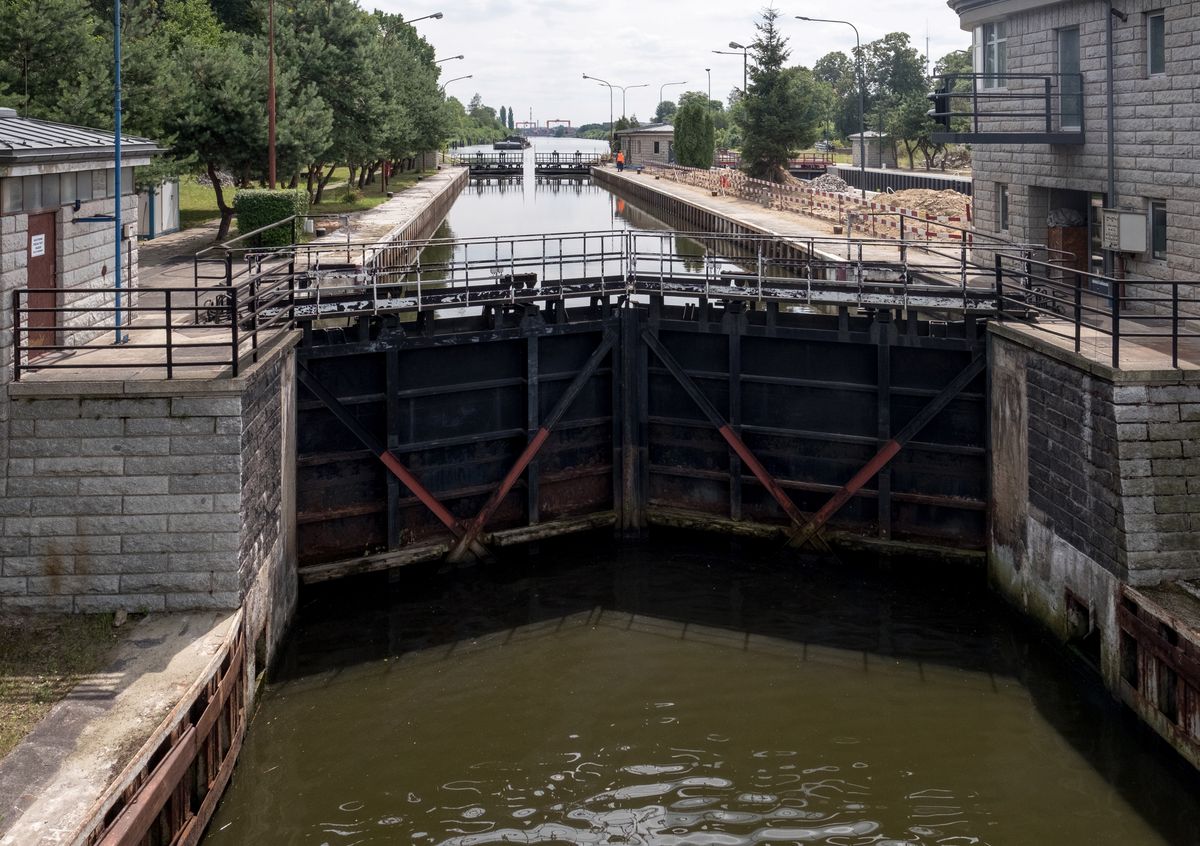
(154, 496)
(1095, 482)
(86, 255)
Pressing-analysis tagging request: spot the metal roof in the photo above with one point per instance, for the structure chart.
(28, 140)
(653, 127)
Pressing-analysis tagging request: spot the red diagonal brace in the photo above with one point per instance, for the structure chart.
(389, 461)
(531, 449)
(731, 437)
(889, 451)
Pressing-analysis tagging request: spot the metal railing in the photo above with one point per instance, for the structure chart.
(1062, 303)
(268, 293)
(564, 161)
(989, 108)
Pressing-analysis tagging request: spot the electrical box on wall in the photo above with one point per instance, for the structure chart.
(1124, 231)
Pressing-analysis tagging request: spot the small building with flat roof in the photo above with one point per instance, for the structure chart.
(57, 237)
(646, 145)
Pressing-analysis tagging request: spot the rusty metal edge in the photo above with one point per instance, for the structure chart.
(100, 808)
(682, 519)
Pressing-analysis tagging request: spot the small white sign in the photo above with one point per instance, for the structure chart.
(1123, 231)
(37, 246)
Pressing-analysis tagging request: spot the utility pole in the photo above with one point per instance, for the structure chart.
(271, 94)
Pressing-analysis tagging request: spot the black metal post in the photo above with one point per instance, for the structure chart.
(167, 325)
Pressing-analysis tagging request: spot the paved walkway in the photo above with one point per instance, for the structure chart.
(938, 260)
(1141, 355)
(50, 780)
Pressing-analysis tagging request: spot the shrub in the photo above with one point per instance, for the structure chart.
(257, 208)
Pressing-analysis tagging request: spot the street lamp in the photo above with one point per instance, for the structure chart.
(625, 88)
(709, 72)
(665, 85)
(862, 126)
(448, 59)
(437, 16)
(456, 79)
(743, 51)
(611, 126)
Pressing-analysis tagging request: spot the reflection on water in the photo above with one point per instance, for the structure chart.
(674, 694)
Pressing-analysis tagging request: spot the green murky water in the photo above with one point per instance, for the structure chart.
(669, 695)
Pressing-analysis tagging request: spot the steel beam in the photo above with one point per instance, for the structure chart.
(393, 464)
(532, 448)
(889, 450)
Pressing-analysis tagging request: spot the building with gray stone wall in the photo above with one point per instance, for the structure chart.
(57, 191)
(1048, 60)
(647, 145)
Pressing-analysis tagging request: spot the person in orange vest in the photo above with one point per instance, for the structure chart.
(620, 160)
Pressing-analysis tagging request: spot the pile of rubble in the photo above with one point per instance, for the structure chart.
(830, 183)
(927, 200)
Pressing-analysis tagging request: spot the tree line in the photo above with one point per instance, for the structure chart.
(788, 108)
(353, 88)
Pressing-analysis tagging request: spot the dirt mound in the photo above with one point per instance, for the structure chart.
(929, 201)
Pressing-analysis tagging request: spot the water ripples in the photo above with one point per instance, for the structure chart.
(679, 800)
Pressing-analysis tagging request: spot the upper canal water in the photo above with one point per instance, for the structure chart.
(684, 693)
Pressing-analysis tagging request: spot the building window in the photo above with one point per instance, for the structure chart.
(656, 146)
(995, 54)
(1001, 207)
(1156, 53)
(1158, 230)
(1070, 82)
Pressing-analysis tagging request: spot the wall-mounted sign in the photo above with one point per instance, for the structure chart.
(1123, 231)
(37, 246)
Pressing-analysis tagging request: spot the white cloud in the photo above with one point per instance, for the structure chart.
(534, 53)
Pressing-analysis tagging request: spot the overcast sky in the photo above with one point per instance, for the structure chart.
(533, 53)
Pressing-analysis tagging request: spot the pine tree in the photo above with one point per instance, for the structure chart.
(781, 110)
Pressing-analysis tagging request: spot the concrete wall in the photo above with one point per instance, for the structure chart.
(152, 496)
(1156, 129)
(1095, 483)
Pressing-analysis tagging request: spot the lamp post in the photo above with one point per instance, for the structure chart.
(612, 137)
(709, 72)
(862, 126)
(437, 16)
(743, 51)
(448, 59)
(625, 88)
(665, 85)
(442, 88)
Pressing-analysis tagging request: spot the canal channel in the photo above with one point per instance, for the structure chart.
(715, 692)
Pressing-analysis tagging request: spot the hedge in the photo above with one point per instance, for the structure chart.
(256, 208)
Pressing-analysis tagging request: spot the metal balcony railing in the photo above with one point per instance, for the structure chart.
(1011, 108)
